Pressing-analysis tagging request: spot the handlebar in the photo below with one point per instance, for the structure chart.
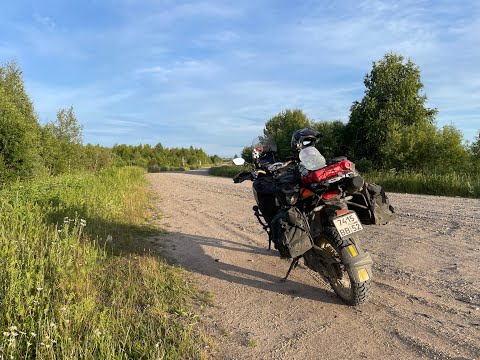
(241, 177)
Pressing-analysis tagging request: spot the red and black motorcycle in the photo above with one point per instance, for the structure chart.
(308, 208)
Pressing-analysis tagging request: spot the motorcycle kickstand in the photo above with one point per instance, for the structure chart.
(293, 265)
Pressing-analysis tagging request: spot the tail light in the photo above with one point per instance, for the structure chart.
(330, 194)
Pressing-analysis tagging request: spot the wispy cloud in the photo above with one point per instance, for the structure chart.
(45, 21)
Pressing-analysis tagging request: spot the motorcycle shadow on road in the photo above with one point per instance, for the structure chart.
(246, 265)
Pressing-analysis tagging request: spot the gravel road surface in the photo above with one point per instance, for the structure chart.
(426, 278)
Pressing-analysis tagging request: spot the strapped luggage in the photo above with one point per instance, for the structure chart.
(264, 187)
(291, 233)
(372, 205)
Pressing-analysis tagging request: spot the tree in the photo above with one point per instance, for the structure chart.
(282, 126)
(19, 128)
(66, 128)
(475, 147)
(474, 151)
(247, 154)
(331, 143)
(64, 139)
(392, 101)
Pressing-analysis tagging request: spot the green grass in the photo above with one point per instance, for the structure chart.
(226, 170)
(454, 184)
(74, 282)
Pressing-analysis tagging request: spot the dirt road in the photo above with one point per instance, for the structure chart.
(426, 288)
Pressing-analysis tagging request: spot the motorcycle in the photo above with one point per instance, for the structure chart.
(303, 205)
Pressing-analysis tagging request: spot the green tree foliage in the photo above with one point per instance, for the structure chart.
(283, 125)
(475, 147)
(62, 140)
(215, 159)
(247, 154)
(161, 158)
(19, 128)
(96, 157)
(331, 143)
(392, 102)
(474, 151)
(425, 148)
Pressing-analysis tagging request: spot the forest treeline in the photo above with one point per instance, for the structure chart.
(29, 149)
(391, 128)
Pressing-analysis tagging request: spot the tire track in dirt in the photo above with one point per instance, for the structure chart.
(426, 283)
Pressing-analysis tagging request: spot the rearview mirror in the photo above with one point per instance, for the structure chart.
(239, 161)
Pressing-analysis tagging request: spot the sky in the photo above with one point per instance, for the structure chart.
(211, 73)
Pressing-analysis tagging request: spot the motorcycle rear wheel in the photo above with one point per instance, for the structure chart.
(350, 291)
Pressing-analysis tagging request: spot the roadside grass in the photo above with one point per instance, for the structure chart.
(75, 284)
(453, 184)
(225, 170)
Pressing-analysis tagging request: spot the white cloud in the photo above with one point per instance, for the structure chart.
(45, 21)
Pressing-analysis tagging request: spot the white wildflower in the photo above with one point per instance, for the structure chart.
(109, 238)
(13, 328)
(97, 332)
(5, 333)
(52, 324)
(33, 334)
(83, 222)
(39, 288)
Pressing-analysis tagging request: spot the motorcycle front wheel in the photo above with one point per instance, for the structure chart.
(350, 291)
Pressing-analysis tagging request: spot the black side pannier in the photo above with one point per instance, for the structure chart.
(291, 233)
(265, 196)
(372, 205)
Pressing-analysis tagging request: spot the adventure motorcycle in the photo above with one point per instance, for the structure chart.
(307, 206)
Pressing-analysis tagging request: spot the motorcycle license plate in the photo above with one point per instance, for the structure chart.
(347, 224)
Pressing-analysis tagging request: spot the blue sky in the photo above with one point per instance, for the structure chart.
(211, 73)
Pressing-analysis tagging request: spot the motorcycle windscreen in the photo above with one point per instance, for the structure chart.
(311, 159)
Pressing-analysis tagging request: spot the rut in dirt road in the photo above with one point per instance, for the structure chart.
(426, 287)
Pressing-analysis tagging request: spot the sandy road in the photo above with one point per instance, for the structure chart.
(426, 285)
